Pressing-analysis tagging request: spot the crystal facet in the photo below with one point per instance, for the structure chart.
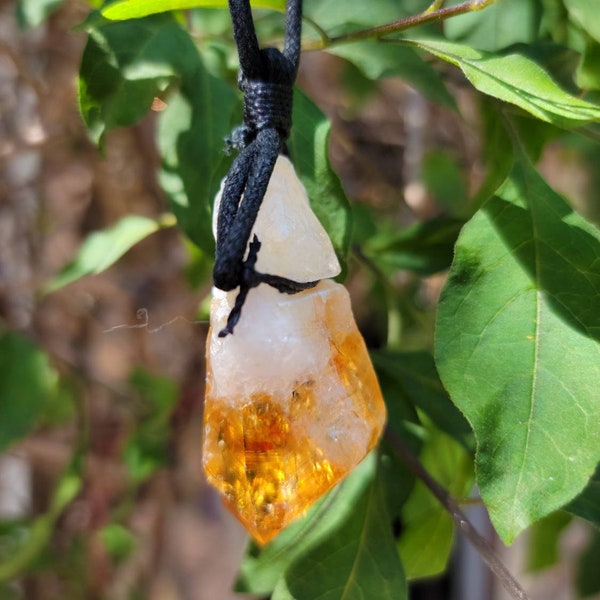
(292, 402)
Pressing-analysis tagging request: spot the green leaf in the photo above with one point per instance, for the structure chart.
(498, 26)
(517, 348)
(543, 541)
(153, 402)
(417, 379)
(191, 140)
(27, 384)
(262, 567)
(309, 144)
(335, 15)
(588, 574)
(134, 9)
(123, 68)
(515, 79)
(587, 504)
(588, 70)
(585, 14)
(101, 249)
(119, 542)
(376, 60)
(42, 528)
(445, 182)
(425, 247)
(358, 556)
(428, 530)
(31, 13)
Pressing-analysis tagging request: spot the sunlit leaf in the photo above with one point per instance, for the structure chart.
(134, 9)
(517, 347)
(515, 79)
(102, 249)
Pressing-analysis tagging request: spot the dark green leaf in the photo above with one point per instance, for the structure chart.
(587, 504)
(262, 568)
(134, 9)
(126, 65)
(358, 560)
(376, 60)
(498, 26)
(27, 384)
(428, 530)
(308, 145)
(101, 249)
(417, 379)
(588, 574)
(444, 181)
(517, 348)
(147, 448)
(515, 79)
(543, 541)
(426, 247)
(31, 13)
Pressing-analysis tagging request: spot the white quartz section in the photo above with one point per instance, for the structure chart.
(294, 243)
(278, 342)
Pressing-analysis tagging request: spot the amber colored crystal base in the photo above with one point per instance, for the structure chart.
(272, 453)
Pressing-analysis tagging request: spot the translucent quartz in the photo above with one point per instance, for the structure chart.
(292, 403)
(294, 243)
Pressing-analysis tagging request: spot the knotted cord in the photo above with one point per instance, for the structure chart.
(266, 78)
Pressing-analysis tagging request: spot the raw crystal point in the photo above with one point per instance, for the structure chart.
(292, 403)
(293, 242)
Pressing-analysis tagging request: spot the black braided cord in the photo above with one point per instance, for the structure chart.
(266, 78)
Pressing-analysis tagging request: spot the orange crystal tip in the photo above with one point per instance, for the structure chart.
(272, 452)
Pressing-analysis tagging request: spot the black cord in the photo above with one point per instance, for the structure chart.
(267, 79)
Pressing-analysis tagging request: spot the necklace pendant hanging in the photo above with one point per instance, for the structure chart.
(292, 401)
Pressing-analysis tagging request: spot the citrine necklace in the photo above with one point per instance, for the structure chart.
(292, 402)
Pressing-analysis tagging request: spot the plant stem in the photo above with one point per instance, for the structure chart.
(434, 12)
(485, 549)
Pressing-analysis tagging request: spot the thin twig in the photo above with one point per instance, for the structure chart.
(485, 549)
(430, 14)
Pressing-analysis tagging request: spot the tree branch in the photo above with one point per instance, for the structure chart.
(485, 549)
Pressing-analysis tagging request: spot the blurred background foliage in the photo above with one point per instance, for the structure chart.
(111, 133)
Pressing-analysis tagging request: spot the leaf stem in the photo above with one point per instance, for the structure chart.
(485, 549)
(435, 12)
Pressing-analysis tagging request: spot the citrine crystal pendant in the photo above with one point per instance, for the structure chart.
(292, 401)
